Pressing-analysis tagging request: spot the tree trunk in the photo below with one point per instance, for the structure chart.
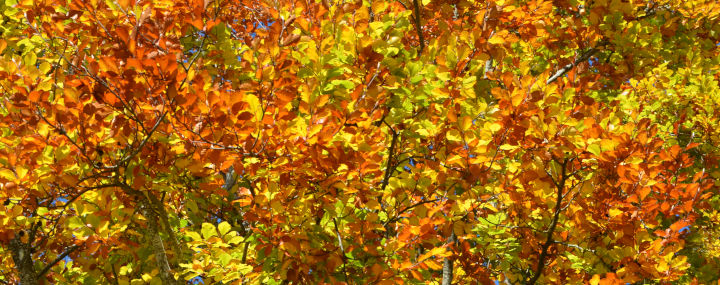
(447, 275)
(158, 248)
(22, 256)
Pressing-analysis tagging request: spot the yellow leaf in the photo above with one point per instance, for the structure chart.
(498, 38)
(44, 67)
(379, 6)
(194, 236)
(459, 228)
(254, 103)
(242, 202)
(224, 228)
(454, 135)
(508, 147)
(178, 148)
(21, 172)
(314, 130)
(16, 211)
(679, 263)
(236, 240)
(494, 127)
(437, 252)
(433, 264)
(277, 206)
(7, 174)
(465, 123)
(103, 227)
(513, 166)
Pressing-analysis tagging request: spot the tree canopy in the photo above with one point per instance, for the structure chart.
(359, 142)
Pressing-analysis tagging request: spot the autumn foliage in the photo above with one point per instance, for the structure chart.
(359, 142)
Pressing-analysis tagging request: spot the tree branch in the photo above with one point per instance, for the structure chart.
(342, 249)
(556, 216)
(114, 272)
(397, 217)
(585, 56)
(144, 141)
(60, 257)
(418, 28)
(389, 168)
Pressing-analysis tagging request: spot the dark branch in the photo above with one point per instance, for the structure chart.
(389, 168)
(418, 28)
(61, 257)
(585, 56)
(556, 217)
(396, 218)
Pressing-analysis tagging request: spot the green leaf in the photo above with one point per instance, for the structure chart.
(347, 84)
(334, 72)
(192, 205)
(93, 220)
(594, 149)
(416, 79)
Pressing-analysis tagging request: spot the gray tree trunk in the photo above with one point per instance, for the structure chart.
(22, 255)
(447, 276)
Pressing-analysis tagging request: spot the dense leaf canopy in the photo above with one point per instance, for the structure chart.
(359, 142)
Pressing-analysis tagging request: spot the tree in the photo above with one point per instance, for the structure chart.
(365, 142)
